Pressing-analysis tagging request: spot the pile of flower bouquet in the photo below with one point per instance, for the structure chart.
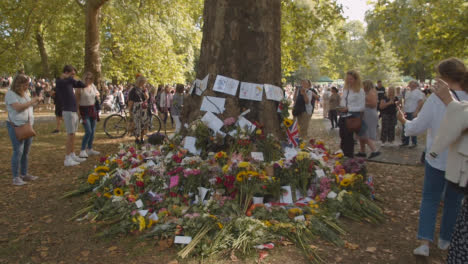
(218, 196)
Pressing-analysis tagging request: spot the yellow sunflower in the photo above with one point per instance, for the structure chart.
(345, 182)
(141, 223)
(118, 192)
(101, 169)
(287, 122)
(243, 164)
(240, 176)
(92, 178)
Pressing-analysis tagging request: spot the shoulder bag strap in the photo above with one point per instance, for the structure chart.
(456, 95)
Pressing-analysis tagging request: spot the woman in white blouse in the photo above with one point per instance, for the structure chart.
(429, 119)
(352, 104)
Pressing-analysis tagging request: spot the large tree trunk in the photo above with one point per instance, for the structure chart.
(241, 40)
(92, 42)
(43, 53)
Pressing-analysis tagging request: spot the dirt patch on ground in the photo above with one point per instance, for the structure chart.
(35, 226)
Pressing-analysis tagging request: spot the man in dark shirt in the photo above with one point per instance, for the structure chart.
(380, 90)
(66, 97)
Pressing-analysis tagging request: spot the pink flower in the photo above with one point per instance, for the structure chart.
(229, 121)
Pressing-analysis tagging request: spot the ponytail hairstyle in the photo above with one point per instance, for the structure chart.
(453, 69)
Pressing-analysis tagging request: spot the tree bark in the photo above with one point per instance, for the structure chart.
(241, 40)
(92, 42)
(43, 53)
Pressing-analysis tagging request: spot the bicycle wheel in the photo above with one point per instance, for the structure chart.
(115, 126)
(155, 125)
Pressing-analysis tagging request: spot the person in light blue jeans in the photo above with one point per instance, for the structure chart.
(20, 111)
(429, 120)
(86, 101)
(434, 185)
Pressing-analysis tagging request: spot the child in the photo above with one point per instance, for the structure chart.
(334, 103)
(177, 104)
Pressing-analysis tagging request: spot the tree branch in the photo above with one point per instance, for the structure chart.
(81, 5)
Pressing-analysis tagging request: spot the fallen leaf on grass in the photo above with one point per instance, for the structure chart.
(44, 254)
(262, 255)
(85, 253)
(387, 250)
(113, 248)
(371, 249)
(233, 257)
(351, 245)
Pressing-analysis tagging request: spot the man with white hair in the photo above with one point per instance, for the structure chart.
(413, 102)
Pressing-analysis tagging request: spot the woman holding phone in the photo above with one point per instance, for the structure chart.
(452, 72)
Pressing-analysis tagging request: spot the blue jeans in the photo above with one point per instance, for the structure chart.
(405, 140)
(434, 184)
(89, 125)
(20, 152)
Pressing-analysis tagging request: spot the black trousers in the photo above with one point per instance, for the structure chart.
(333, 116)
(347, 139)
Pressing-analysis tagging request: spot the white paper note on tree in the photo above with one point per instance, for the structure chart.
(212, 121)
(245, 124)
(225, 85)
(195, 85)
(251, 91)
(203, 85)
(213, 104)
(273, 92)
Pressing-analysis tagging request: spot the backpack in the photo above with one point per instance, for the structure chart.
(299, 105)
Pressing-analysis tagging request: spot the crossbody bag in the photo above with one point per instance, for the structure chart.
(352, 123)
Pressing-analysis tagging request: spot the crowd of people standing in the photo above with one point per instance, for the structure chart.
(440, 111)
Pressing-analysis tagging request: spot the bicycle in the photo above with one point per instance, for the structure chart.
(115, 125)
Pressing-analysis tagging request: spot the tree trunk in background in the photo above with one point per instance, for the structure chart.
(44, 56)
(241, 40)
(92, 42)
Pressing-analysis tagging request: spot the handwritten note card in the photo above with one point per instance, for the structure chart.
(225, 85)
(212, 121)
(213, 104)
(245, 124)
(251, 91)
(182, 240)
(258, 156)
(274, 93)
(189, 144)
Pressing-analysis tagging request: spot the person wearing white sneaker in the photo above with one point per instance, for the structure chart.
(67, 99)
(86, 101)
(20, 111)
(437, 167)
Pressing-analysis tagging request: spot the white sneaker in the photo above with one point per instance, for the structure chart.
(18, 181)
(29, 177)
(83, 154)
(93, 152)
(422, 250)
(443, 244)
(70, 162)
(77, 159)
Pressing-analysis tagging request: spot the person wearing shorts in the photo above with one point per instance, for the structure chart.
(67, 99)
